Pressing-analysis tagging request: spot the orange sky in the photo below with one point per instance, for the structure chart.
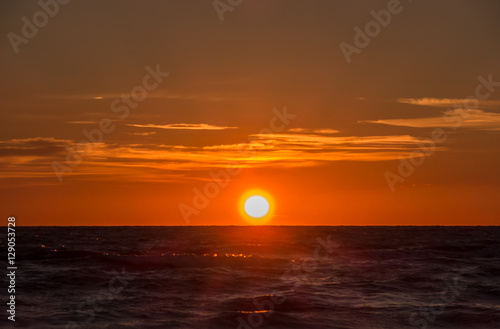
(268, 90)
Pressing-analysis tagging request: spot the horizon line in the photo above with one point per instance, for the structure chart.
(258, 225)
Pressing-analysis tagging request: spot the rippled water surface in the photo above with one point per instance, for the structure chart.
(249, 277)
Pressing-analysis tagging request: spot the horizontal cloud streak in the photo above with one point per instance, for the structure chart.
(148, 133)
(474, 119)
(314, 130)
(170, 162)
(37, 146)
(182, 126)
(448, 102)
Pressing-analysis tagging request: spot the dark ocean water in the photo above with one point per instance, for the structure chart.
(255, 277)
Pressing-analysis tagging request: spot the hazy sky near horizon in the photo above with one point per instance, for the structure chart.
(349, 123)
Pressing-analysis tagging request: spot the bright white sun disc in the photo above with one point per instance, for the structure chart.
(256, 206)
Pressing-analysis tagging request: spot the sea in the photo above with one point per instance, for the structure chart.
(246, 277)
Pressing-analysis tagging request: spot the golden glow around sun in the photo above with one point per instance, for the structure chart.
(256, 206)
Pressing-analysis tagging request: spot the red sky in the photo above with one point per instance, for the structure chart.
(269, 90)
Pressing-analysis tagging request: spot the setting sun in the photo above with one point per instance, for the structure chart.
(256, 206)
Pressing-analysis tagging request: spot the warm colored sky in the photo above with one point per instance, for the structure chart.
(353, 122)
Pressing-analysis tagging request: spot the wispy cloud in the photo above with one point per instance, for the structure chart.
(38, 146)
(309, 140)
(447, 102)
(148, 133)
(310, 150)
(171, 162)
(473, 119)
(183, 126)
(314, 130)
